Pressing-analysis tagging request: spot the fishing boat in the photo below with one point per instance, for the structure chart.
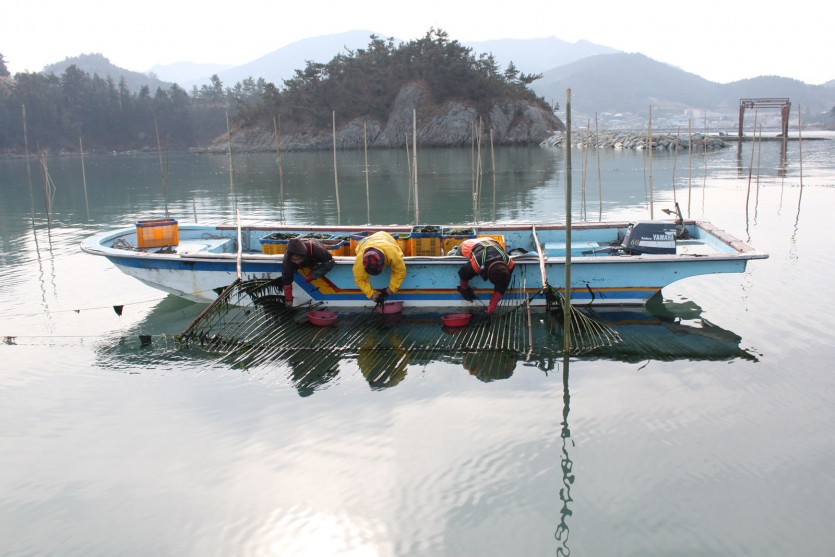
(612, 263)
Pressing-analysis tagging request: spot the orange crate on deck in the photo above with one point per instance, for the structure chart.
(337, 246)
(405, 244)
(428, 246)
(157, 233)
(355, 239)
(276, 247)
(497, 237)
(276, 243)
(453, 237)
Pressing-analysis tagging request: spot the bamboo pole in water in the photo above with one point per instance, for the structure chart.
(751, 166)
(48, 186)
(276, 132)
(414, 164)
(675, 162)
(690, 162)
(599, 173)
(477, 195)
(335, 177)
(28, 168)
(411, 186)
(367, 189)
(163, 175)
(472, 163)
(240, 245)
(704, 163)
(231, 162)
(493, 162)
(84, 176)
(567, 305)
(649, 146)
(800, 147)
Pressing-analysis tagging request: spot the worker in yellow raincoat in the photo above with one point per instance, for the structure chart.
(374, 253)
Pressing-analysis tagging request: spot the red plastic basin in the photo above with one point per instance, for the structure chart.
(321, 318)
(456, 319)
(389, 307)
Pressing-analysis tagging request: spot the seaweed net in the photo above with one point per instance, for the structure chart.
(249, 325)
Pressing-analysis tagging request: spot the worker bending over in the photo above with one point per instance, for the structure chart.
(374, 253)
(301, 254)
(488, 260)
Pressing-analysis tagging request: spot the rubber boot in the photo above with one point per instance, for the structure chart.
(494, 302)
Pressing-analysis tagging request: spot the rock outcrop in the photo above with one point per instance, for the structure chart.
(451, 124)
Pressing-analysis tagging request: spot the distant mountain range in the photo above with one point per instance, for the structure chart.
(97, 64)
(601, 79)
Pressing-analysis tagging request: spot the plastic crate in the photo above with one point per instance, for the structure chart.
(355, 239)
(336, 246)
(405, 244)
(157, 233)
(275, 244)
(450, 241)
(425, 241)
(497, 237)
(429, 246)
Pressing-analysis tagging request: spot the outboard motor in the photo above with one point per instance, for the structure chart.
(650, 238)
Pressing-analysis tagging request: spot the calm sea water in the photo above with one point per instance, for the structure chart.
(708, 431)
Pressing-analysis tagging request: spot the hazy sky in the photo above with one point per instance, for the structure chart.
(719, 40)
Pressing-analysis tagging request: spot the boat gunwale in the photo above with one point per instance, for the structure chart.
(742, 250)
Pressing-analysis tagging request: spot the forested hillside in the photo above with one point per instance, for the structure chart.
(61, 109)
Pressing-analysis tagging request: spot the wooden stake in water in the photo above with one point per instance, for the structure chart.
(335, 176)
(84, 177)
(567, 305)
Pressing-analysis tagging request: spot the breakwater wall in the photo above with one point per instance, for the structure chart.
(631, 140)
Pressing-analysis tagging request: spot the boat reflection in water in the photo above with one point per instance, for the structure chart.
(282, 344)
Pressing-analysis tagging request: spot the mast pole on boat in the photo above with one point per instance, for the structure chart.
(567, 306)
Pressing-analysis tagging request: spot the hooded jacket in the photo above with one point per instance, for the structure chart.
(312, 251)
(384, 242)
